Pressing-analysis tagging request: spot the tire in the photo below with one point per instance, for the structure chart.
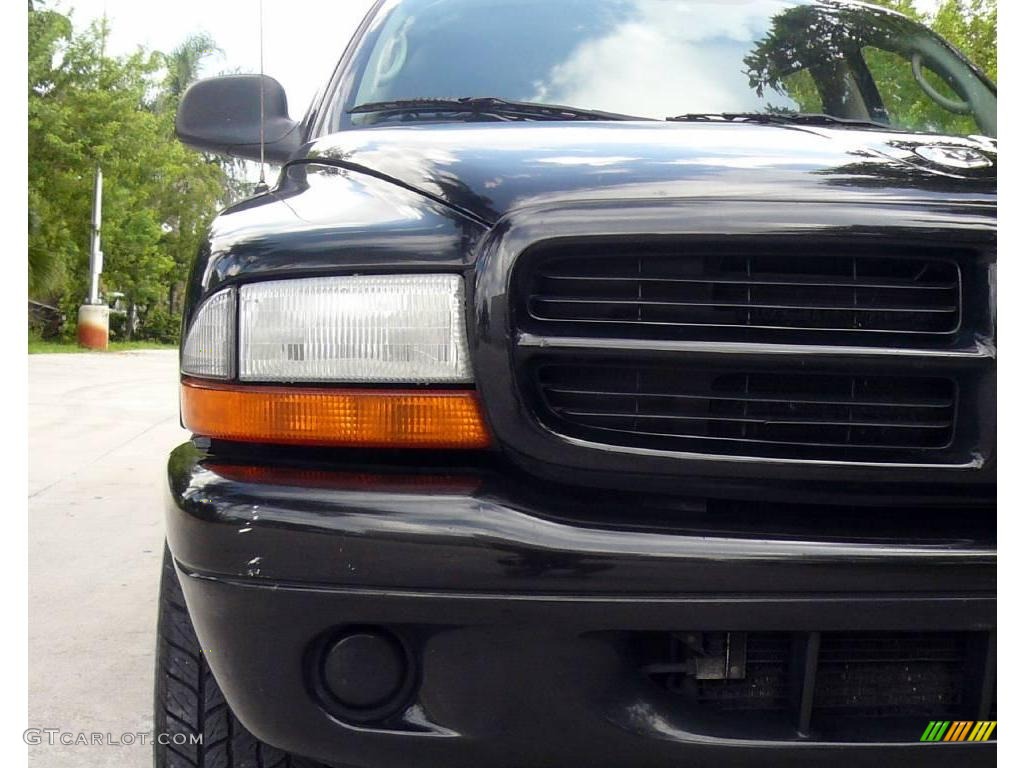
(189, 703)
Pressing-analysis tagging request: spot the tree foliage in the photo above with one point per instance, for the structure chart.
(88, 109)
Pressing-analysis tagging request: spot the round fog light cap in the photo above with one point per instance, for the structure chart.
(365, 669)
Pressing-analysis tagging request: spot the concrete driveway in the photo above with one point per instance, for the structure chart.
(100, 428)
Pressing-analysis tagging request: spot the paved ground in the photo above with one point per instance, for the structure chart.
(100, 427)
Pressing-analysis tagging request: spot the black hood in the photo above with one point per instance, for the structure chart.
(488, 170)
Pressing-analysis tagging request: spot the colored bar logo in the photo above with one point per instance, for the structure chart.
(959, 730)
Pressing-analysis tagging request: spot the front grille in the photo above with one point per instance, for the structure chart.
(827, 350)
(772, 414)
(825, 684)
(731, 293)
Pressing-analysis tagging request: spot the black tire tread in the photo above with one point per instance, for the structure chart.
(188, 700)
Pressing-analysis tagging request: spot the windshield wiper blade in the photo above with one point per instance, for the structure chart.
(489, 105)
(802, 118)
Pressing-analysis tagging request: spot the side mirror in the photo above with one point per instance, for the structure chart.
(222, 115)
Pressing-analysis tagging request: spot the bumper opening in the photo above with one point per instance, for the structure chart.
(824, 686)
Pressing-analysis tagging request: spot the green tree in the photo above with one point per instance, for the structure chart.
(49, 240)
(88, 109)
(185, 62)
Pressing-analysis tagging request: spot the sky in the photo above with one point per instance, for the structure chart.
(302, 39)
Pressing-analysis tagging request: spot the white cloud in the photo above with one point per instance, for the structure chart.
(695, 38)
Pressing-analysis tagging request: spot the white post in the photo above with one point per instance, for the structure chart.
(94, 316)
(95, 254)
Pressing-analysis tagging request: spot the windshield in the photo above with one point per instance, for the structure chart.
(662, 58)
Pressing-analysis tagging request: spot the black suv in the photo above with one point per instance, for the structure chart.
(602, 383)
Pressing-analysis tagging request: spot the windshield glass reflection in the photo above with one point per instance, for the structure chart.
(661, 58)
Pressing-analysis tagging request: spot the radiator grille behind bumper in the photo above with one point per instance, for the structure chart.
(891, 674)
(753, 413)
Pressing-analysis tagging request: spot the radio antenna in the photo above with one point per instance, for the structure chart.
(261, 186)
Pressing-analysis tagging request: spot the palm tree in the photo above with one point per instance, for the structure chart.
(184, 62)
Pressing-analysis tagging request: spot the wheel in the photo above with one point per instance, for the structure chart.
(188, 702)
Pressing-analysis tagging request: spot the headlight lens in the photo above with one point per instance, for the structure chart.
(380, 329)
(388, 329)
(209, 345)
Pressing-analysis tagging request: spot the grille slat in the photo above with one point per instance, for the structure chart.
(937, 403)
(748, 442)
(757, 413)
(778, 422)
(767, 280)
(832, 307)
(707, 294)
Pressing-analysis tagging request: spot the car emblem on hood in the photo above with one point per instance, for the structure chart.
(953, 157)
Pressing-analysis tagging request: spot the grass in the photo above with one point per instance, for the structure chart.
(39, 347)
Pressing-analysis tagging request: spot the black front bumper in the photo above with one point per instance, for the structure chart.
(514, 609)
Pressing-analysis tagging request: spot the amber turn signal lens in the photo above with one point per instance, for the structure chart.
(358, 418)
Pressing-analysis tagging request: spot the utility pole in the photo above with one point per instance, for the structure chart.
(94, 316)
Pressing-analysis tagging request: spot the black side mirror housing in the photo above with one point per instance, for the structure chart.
(222, 115)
